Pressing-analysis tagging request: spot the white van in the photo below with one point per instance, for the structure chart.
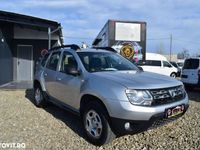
(191, 72)
(159, 64)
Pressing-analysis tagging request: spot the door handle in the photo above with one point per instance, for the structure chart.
(59, 79)
(45, 74)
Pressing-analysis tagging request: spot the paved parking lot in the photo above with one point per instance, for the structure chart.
(53, 128)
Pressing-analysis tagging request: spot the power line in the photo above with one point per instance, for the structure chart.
(158, 38)
(187, 41)
(75, 37)
(164, 38)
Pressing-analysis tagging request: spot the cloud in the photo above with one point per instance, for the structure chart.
(53, 3)
(85, 18)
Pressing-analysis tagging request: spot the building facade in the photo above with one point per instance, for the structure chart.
(22, 39)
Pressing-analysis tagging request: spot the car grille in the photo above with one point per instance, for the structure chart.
(168, 95)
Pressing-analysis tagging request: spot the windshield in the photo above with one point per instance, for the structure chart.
(104, 61)
(174, 64)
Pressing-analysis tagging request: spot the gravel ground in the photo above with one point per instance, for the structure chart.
(53, 128)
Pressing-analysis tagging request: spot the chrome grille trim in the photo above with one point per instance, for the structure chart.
(167, 95)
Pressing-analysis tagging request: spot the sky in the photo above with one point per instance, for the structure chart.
(83, 19)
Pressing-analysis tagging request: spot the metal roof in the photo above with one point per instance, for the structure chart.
(29, 21)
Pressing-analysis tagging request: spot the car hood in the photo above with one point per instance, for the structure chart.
(139, 80)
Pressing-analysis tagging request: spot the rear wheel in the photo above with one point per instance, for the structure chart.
(39, 98)
(96, 125)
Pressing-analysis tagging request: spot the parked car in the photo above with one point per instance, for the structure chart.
(111, 95)
(175, 64)
(157, 63)
(191, 72)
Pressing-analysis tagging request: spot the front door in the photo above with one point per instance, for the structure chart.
(68, 86)
(167, 68)
(24, 63)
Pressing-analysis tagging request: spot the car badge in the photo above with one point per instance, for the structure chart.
(172, 93)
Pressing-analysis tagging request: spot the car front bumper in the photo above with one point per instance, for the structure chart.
(126, 110)
(136, 126)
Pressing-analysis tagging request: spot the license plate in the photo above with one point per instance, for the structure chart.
(175, 111)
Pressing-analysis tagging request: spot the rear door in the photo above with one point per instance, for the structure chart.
(50, 73)
(190, 71)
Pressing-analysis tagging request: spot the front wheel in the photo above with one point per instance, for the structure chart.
(96, 125)
(173, 75)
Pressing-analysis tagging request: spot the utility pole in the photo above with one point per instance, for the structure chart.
(49, 38)
(170, 47)
(49, 35)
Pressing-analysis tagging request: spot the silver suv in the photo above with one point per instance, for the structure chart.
(111, 95)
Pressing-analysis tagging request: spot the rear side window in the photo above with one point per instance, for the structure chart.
(191, 64)
(53, 61)
(44, 59)
(153, 63)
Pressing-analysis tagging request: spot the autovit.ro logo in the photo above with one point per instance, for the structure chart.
(12, 145)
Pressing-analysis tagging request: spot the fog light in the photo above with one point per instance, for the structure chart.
(127, 126)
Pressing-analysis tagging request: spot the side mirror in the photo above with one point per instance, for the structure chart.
(73, 71)
(140, 68)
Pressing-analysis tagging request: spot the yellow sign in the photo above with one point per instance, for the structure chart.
(127, 51)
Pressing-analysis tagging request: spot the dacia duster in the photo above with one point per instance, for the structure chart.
(112, 96)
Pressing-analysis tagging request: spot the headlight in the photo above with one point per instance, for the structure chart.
(182, 87)
(139, 97)
(181, 90)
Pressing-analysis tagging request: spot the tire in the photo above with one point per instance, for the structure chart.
(96, 125)
(39, 98)
(173, 75)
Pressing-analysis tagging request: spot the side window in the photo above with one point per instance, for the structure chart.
(166, 64)
(153, 63)
(44, 59)
(156, 63)
(53, 61)
(68, 62)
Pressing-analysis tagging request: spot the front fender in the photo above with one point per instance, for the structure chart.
(106, 90)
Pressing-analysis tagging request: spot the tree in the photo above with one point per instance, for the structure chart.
(183, 54)
(197, 54)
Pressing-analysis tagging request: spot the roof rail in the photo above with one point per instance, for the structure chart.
(106, 48)
(72, 46)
